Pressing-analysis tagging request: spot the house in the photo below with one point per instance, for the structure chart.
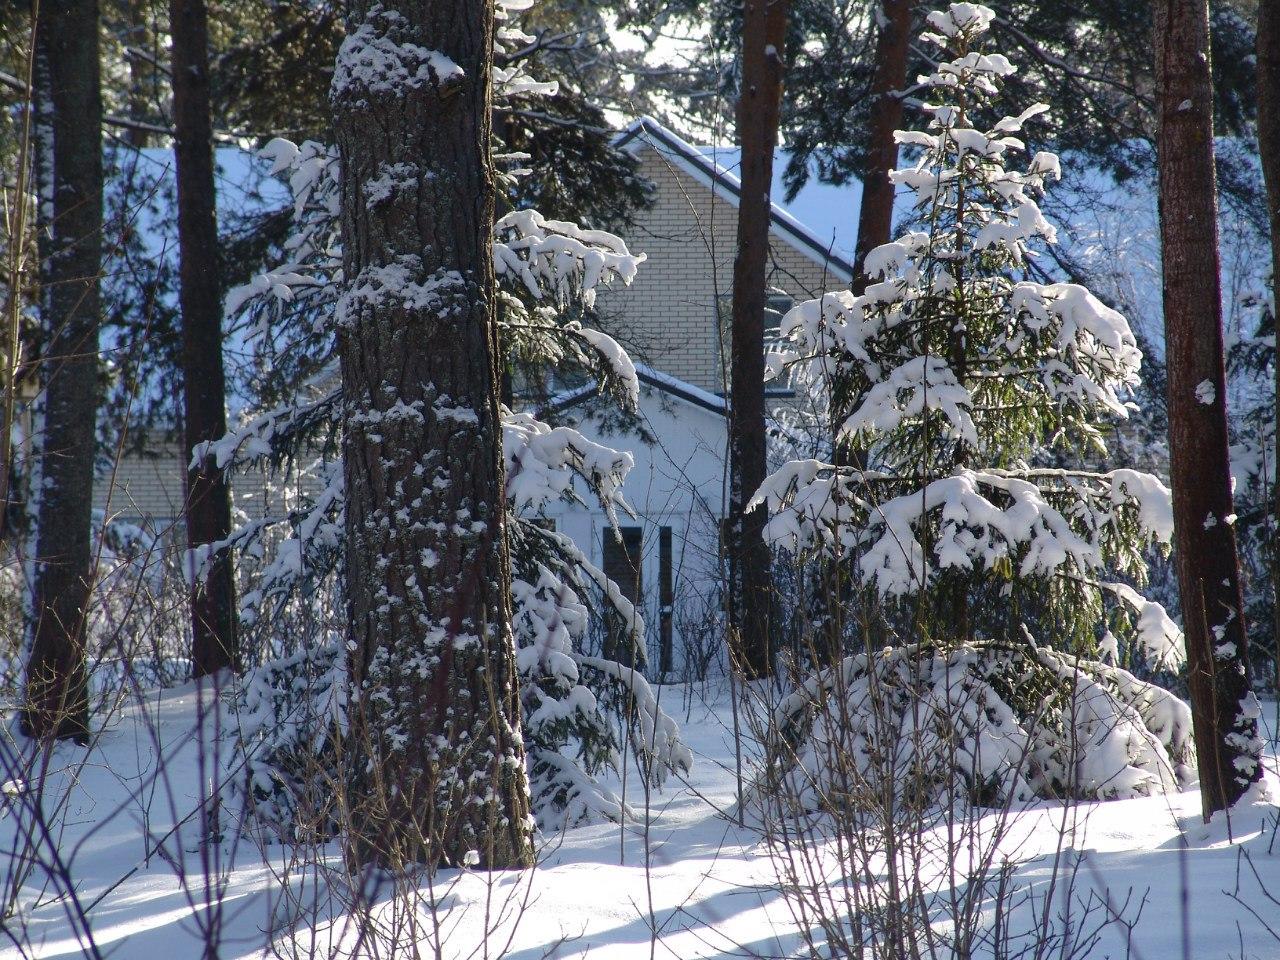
(674, 320)
(665, 558)
(674, 315)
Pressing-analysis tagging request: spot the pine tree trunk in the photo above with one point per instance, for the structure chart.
(1269, 150)
(750, 583)
(875, 214)
(71, 219)
(428, 575)
(141, 73)
(1206, 560)
(208, 502)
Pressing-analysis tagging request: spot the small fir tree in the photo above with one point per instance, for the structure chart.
(1251, 372)
(964, 385)
(963, 379)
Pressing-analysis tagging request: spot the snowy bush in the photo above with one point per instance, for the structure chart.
(293, 719)
(10, 626)
(994, 722)
(138, 625)
(548, 272)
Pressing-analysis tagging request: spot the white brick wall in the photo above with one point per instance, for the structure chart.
(668, 315)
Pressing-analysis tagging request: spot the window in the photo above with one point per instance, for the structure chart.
(623, 565)
(776, 306)
(666, 601)
(775, 309)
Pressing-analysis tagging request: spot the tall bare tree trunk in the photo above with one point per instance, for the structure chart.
(1206, 560)
(68, 79)
(1269, 149)
(208, 503)
(136, 38)
(428, 574)
(18, 222)
(764, 27)
(875, 214)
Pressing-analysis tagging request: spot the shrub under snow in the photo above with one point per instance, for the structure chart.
(989, 721)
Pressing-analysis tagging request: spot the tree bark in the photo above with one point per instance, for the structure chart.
(764, 25)
(70, 221)
(435, 698)
(1206, 561)
(1268, 44)
(137, 36)
(208, 501)
(875, 213)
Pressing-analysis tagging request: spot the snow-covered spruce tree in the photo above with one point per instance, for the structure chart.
(957, 376)
(547, 273)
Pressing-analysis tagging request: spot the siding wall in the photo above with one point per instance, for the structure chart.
(149, 490)
(143, 489)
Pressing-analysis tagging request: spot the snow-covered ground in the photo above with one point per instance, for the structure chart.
(688, 883)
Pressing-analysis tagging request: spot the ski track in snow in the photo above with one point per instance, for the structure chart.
(710, 881)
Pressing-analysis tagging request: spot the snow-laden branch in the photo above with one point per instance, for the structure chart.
(553, 258)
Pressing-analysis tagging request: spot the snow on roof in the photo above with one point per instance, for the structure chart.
(827, 210)
(672, 386)
(686, 391)
(650, 377)
(830, 245)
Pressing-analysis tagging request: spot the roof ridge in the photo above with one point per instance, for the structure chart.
(729, 187)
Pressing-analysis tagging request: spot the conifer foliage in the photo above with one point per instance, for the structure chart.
(966, 383)
(961, 378)
(547, 272)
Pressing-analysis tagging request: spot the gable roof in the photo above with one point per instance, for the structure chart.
(651, 378)
(671, 386)
(702, 167)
